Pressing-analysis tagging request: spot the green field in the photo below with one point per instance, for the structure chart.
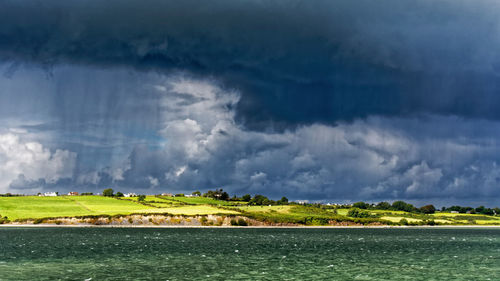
(34, 207)
(39, 207)
(198, 210)
(398, 219)
(204, 201)
(265, 209)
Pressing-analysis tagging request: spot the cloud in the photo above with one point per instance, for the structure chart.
(29, 165)
(433, 158)
(153, 132)
(322, 61)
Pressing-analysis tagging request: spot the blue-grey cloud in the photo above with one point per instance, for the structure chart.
(183, 135)
(295, 62)
(319, 100)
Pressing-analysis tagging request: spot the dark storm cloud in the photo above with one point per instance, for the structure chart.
(293, 61)
(354, 100)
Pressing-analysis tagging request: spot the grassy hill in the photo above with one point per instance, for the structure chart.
(34, 207)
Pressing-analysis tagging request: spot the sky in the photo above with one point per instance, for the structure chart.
(330, 101)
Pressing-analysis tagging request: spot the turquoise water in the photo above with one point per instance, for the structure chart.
(248, 254)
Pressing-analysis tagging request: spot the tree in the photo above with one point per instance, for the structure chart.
(259, 200)
(480, 209)
(358, 213)
(283, 201)
(224, 196)
(428, 209)
(484, 211)
(361, 205)
(246, 197)
(141, 198)
(107, 192)
(403, 206)
(119, 194)
(196, 193)
(383, 206)
(218, 194)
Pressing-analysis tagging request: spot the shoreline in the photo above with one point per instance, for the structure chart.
(253, 227)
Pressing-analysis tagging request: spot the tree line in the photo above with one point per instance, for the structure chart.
(258, 199)
(427, 209)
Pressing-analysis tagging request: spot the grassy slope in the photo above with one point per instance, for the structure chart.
(34, 207)
(68, 206)
(297, 214)
(37, 207)
(204, 201)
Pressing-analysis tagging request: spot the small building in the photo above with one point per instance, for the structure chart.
(72, 193)
(167, 194)
(454, 212)
(132, 194)
(50, 194)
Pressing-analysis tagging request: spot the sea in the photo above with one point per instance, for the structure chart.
(59, 253)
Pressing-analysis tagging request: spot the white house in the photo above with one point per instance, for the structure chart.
(50, 194)
(129, 195)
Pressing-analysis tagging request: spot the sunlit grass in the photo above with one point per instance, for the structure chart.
(33, 207)
(108, 205)
(196, 210)
(279, 209)
(39, 207)
(490, 222)
(398, 219)
(205, 201)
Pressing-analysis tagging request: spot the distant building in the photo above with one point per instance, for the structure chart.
(132, 194)
(72, 193)
(167, 194)
(49, 194)
(454, 212)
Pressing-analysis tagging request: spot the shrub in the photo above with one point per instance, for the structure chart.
(37, 221)
(242, 222)
(403, 206)
(259, 200)
(239, 222)
(4, 220)
(383, 206)
(361, 205)
(246, 197)
(403, 222)
(107, 192)
(203, 221)
(282, 201)
(357, 213)
(428, 209)
(430, 222)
